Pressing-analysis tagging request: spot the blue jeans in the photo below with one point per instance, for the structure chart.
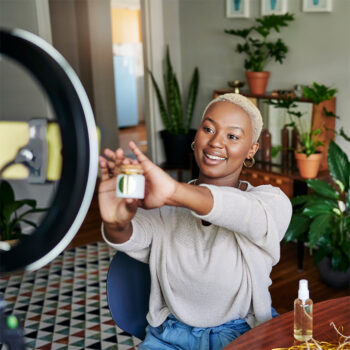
(173, 334)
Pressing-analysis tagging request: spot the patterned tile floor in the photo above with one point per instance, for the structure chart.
(64, 306)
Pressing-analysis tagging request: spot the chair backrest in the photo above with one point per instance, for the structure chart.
(128, 290)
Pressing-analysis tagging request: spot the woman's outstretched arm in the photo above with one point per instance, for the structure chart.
(162, 189)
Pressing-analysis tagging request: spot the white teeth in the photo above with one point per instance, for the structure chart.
(214, 157)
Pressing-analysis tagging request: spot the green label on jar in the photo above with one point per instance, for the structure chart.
(127, 185)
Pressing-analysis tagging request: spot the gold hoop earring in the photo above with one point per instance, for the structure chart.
(249, 162)
(193, 145)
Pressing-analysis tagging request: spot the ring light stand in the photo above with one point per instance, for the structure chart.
(79, 152)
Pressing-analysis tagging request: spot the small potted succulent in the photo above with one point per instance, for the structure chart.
(322, 220)
(177, 135)
(259, 50)
(12, 215)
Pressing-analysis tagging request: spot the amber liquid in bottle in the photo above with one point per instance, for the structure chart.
(303, 313)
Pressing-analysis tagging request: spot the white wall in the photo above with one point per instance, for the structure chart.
(81, 31)
(319, 51)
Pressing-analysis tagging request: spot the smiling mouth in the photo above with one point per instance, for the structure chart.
(212, 157)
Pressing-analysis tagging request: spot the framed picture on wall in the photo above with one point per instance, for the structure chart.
(317, 5)
(237, 8)
(273, 7)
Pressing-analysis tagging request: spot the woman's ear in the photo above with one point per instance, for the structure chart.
(253, 149)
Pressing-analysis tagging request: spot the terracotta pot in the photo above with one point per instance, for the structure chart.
(257, 81)
(308, 166)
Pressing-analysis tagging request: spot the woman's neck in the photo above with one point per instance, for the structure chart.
(232, 181)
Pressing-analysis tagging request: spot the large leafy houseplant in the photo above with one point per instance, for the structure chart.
(176, 118)
(322, 217)
(11, 215)
(259, 49)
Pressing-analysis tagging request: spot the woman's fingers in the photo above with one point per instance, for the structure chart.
(140, 156)
(103, 168)
(113, 160)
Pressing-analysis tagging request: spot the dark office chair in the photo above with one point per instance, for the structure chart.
(128, 289)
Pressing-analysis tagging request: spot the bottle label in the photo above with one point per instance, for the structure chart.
(130, 186)
(127, 184)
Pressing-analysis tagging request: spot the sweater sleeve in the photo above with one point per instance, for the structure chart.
(138, 245)
(250, 213)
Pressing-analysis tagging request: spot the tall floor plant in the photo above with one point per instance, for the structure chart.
(176, 117)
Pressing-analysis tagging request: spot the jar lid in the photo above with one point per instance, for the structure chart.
(131, 169)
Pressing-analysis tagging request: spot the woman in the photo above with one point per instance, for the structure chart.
(210, 244)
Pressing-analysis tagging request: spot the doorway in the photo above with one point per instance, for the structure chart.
(129, 72)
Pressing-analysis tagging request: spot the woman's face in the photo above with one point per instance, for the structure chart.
(222, 143)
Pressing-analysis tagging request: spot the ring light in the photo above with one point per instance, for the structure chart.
(79, 151)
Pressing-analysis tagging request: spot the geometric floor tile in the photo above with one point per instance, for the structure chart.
(64, 304)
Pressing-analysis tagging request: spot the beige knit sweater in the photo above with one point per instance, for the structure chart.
(208, 275)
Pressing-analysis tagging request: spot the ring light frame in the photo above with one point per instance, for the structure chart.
(79, 151)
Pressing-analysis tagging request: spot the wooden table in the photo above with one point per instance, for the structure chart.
(278, 332)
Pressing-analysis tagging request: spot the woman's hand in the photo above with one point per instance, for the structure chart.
(160, 187)
(117, 212)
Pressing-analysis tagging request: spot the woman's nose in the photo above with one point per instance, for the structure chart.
(217, 141)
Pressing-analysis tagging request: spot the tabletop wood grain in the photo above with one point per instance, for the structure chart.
(278, 332)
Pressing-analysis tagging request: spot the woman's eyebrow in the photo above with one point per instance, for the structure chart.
(230, 127)
(209, 120)
(236, 127)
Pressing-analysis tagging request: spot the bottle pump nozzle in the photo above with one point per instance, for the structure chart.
(303, 292)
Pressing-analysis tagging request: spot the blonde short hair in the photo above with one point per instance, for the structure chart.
(247, 105)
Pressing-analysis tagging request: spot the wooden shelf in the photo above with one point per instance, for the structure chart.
(267, 96)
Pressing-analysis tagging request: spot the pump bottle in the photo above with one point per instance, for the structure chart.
(303, 313)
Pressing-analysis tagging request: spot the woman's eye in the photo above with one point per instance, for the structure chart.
(207, 129)
(232, 137)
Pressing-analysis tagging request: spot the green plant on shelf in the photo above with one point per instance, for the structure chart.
(258, 49)
(308, 136)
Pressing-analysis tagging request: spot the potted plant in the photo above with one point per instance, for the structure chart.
(310, 138)
(178, 135)
(11, 217)
(322, 219)
(259, 50)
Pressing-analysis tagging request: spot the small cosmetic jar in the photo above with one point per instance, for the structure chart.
(130, 182)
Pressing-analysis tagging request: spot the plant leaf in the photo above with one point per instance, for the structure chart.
(162, 109)
(171, 97)
(318, 209)
(330, 114)
(192, 94)
(338, 164)
(298, 226)
(299, 200)
(31, 223)
(339, 261)
(318, 228)
(318, 93)
(7, 194)
(322, 188)
(343, 134)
